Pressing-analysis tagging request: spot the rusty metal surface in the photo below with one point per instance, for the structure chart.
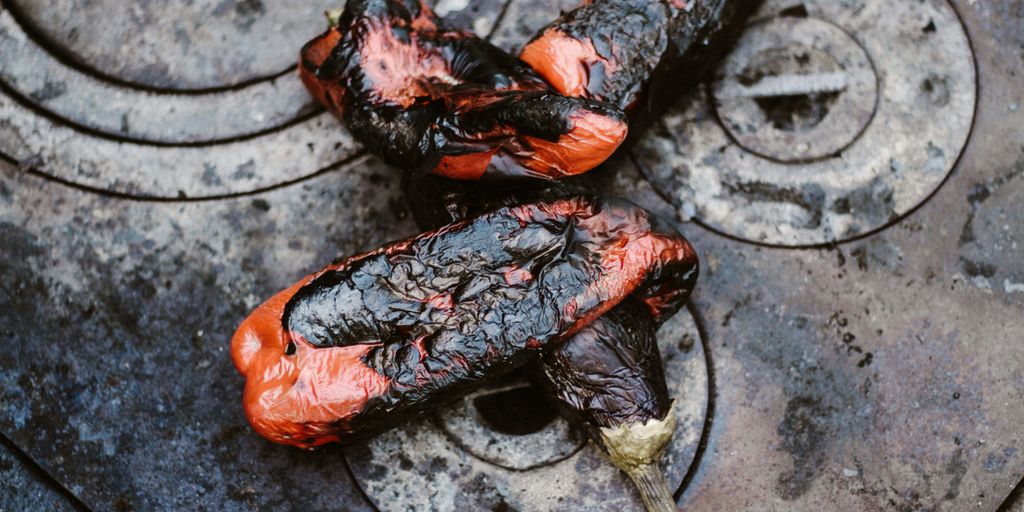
(141, 219)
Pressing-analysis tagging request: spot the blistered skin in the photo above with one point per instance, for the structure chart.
(636, 54)
(371, 340)
(609, 373)
(427, 98)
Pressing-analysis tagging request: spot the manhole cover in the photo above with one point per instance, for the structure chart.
(829, 121)
(505, 446)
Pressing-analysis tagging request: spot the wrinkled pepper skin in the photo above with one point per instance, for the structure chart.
(430, 99)
(367, 342)
(609, 373)
(608, 377)
(636, 54)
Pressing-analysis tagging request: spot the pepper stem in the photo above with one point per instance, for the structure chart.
(650, 481)
(333, 17)
(636, 449)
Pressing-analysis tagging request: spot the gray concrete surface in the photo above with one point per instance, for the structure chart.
(881, 373)
(23, 486)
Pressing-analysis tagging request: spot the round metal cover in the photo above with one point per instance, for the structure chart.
(829, 121)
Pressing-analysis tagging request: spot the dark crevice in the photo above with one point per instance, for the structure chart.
(116, 137)
(797, 113)
(41, 474)
(68, 59)
(164, 199)
(796, 11)
(518, 411)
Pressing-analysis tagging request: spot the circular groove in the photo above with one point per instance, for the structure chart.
(819, 44)
(52, 88)
(172, 149)
(554, 443)
(70, 60)
(710, 411)
(900, 160)
(92, 131)
(351, 160)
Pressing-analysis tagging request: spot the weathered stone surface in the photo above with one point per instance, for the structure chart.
(24, 487)
(116, 319)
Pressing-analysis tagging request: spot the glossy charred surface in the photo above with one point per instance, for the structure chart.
(364, 343)
(636, 55)
(610, 373)
(437, 100)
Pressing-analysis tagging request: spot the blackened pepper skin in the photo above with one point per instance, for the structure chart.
(609, 376)
(636, 54)
(431, 99)
(371, 340)
(610, 373)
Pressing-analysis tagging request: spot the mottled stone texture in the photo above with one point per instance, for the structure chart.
(23, 486)
(884, 373)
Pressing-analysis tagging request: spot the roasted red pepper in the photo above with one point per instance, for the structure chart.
(608, 377)
(576, 284)
(371, 340)
(426, 97)
(638, 55)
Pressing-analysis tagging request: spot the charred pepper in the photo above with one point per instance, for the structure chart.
(371, 340)
(638, 55)
(429, 98)
(608, 377)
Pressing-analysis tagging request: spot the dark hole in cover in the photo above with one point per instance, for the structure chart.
(796, 11)
(517, 411)
(798, 112)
